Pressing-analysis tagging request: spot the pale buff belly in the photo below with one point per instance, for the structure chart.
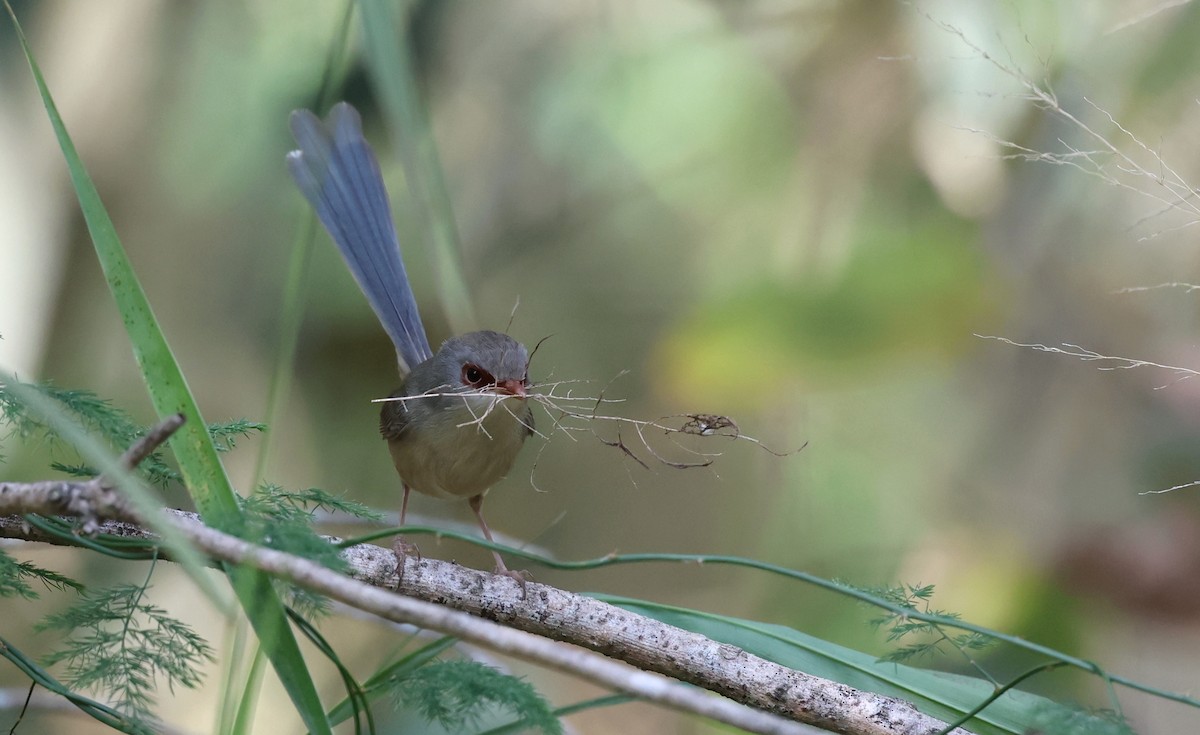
(466, 461)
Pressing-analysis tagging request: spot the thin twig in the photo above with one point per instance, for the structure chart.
(151, 440)
(558, 409)
(1179, 194)
(1113, 362)
(1187, 287)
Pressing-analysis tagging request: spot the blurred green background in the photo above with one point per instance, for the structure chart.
(797, 213)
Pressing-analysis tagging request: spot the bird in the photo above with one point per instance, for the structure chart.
(457, 422)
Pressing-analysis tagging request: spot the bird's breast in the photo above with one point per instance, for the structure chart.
(459, 447)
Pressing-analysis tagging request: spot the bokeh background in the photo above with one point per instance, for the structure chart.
(797, 213)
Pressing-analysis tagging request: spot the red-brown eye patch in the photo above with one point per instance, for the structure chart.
(475, 376)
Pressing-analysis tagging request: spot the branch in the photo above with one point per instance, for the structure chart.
(467, 601)
(547, 612)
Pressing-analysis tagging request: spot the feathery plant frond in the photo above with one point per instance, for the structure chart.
(100, 416)
(80, 470)
(456, 694)
(274, 501)
(14, 576)
(282, 519)
(934, 637)
(225, 434)
(97, 413)
(118, 644)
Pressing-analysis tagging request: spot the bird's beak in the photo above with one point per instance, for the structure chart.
(511, 388)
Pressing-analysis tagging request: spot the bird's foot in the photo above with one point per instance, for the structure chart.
(520, 575)
(403, 549)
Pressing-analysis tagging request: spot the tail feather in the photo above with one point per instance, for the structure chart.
(338, 174)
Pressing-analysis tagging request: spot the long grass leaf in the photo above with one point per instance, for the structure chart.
(202, 470)
(941, 695)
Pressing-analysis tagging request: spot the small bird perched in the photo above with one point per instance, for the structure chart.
(460, 416)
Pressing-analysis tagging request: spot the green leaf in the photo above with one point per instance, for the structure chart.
(940, 695)
(202, 470)
(203, 473)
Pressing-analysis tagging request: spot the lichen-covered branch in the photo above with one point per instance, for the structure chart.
(527, 620)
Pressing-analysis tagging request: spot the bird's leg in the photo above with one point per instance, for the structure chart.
(476, 503)
(399, 545)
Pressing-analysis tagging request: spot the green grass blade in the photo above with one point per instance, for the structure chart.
(945, 696)
(203, 472)
(248, 703)
(395, 82)
(295, 289)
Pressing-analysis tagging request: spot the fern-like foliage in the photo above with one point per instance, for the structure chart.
(282, 519)
(225, 434)
(16, 575)
(272, 500)
(933, 639)
(119, 645)
(456, 694)
(99, 416)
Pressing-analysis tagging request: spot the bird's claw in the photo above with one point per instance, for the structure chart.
(521, 576)
(403, 549)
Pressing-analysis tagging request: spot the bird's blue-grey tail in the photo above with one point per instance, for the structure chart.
(337, 172)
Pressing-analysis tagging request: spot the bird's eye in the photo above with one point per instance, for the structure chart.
(475, 376)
